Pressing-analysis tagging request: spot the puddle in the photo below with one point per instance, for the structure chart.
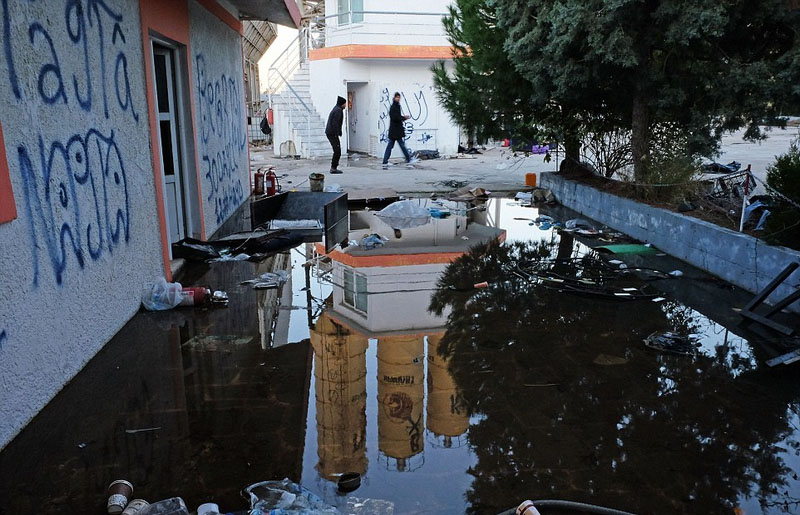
(447, 398)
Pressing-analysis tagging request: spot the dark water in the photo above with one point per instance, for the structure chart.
(499, 394)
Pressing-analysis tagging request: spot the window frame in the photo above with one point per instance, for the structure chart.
(357, 294)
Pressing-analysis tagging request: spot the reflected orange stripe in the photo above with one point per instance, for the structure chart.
(8, 208)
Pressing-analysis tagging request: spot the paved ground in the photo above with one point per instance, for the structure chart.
(496, 169)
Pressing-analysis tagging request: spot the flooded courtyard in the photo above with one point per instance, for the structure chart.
(446, 394)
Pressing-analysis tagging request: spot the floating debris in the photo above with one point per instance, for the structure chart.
(672, 342)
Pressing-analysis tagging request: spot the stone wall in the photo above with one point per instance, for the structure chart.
(737, 258)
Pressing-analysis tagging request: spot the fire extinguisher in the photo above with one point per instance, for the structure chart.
(271, 182)
(258, 183)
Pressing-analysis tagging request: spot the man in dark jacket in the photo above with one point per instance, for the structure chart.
(333, 130)
(396, 133)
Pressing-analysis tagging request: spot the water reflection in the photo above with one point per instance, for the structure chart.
(571, 405)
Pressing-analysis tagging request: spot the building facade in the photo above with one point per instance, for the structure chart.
(365, 51)
(123, 129)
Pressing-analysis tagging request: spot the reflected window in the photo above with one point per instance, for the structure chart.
(355, 290)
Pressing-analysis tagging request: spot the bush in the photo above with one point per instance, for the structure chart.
(783, 225)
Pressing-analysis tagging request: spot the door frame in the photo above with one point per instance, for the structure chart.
(184, 130)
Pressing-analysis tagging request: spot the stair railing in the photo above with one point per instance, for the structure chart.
(297, 107)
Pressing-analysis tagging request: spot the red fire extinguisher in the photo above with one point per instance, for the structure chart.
(258, 183)
(271, 182)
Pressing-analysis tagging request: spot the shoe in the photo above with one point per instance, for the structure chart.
(385, 166)
(413, 160)
(335, 171)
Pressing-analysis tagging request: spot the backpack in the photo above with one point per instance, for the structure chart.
(265, 128)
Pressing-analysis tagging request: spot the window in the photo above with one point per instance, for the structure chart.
(8, 210)
(355, 290)
(350, 10)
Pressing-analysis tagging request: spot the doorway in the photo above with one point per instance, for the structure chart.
(357, 117)
(168, 102)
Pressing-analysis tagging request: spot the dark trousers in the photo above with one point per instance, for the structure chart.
(337, 151)
(390, 146)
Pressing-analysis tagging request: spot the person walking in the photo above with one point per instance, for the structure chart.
(397, 133)
(333, 130)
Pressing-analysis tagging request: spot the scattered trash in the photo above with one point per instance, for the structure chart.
(543, 195)
(208, 508)
(428, 154)
(465, 238)
(676, 273)
(194, 295)
(659, 299)
(521, 195)
(193, 250)
(526, 508)
(143, 430)
(452, 184)
(626, 248)
(371, 241)
(119, 493)
(715, 167)
(439, 213)
(214, 343)
(607, 360)
(224, 256)
(172, 506)
(348, 482)
(219, 298)
(333, 188)
(615, 262)
(286, 496)
(81, 445)
(161, 296)
(404, 214)
(672, 342)
(268, 280)
(136, 507)
(484, 284)
(578, 223)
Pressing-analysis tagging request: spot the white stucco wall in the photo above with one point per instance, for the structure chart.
(218, 81)
(430, 126)
(377, 28)
(86, 240)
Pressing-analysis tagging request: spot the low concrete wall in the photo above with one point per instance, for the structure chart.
(737, 258)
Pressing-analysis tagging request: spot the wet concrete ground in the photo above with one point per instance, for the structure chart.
(497, 395)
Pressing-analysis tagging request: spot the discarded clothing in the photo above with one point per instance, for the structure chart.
(371, 241)
(428, 154)
(715, 167)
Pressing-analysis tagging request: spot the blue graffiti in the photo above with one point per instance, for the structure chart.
(424, 137)
(77, 199)
(50, 79)
(3, 336)
(416, 109)
(223, 138)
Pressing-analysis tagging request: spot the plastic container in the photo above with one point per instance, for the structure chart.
(530, 179)
(208, 508)
(171, 506)
(136, 507)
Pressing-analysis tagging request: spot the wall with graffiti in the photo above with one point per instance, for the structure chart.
(86, 239)
(220, 116)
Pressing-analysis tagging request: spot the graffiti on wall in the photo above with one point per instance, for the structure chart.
(414, 104)
(74, 182)
(223, 138)
(3, 336)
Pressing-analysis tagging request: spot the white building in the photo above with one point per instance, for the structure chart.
(364, 50)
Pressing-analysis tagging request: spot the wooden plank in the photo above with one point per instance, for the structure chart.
(758, 299)
(785, 359)
(755, 317)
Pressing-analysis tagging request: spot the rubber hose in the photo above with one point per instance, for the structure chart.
(572, 505)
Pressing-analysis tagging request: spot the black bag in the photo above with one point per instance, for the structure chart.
(265, 128)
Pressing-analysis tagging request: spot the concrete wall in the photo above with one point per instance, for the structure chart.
(218, 81)
(430, 126)
(86, 239)
(737, 258)
(389, 29)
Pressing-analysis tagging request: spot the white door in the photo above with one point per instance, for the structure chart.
(167, 116)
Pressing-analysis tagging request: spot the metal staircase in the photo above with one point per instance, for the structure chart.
(289, 92)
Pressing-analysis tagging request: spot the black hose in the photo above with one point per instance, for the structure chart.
(571, 505)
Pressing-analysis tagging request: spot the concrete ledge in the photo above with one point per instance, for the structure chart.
(737, 258)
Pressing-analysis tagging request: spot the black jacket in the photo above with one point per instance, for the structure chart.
(335, 119)
(396, 129)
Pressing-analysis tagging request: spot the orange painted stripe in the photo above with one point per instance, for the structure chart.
(389, 260)
(8, 208)
(385, 336)
(223, 14)
(381, 52)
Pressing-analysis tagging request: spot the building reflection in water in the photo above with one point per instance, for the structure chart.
(382, 296)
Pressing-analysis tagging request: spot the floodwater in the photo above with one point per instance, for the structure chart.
(446, 398)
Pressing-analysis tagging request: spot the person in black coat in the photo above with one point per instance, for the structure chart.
(333, 130)
(396, 133)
